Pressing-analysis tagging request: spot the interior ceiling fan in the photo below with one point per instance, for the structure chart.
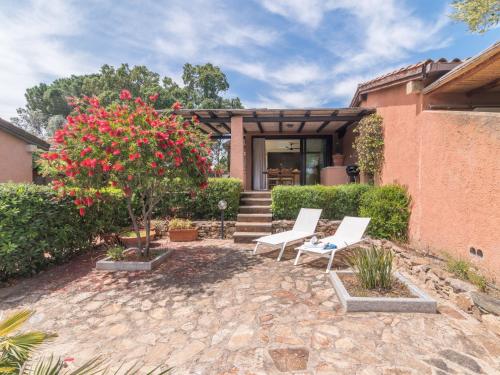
(293, 146)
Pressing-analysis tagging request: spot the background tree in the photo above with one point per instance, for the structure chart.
(479, 15)
(46, 104)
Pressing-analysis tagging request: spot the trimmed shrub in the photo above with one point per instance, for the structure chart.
(37, 229)
(336, 201)
(389, 209)
(202, 205)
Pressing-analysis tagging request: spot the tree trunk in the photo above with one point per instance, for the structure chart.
(134, 223)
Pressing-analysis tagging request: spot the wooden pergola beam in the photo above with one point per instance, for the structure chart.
(325, 123)
(303, 123)
(261, 129)
(263, 119)
(224, 125)
(280, 124)
(213, 128)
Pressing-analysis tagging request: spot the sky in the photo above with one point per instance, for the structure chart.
(275, 53)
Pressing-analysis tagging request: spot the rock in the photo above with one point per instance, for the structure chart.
(461, 359)
(117, 330)
(320, 341)
(146, 305)
(492, 322)
(183, 355)
(486, 303)
(345, 344)
(464, 301)
(439, 363)
(460, 286)
(290, 359)
(94, 305)
(301, 286)
(265, 318)
(240, 338)
(451, 312)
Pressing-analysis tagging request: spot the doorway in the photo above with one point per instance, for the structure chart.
(295, 160)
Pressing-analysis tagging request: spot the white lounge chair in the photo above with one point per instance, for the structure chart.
(304, 227)
(349, 232)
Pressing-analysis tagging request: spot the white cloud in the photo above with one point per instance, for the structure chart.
(204, 27)
(379, 34)
(31, 52)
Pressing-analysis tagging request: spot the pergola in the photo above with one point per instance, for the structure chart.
(240, 125)
(219, 122)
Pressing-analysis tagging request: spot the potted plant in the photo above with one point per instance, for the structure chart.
(128, 238)
(182, 230)
(338, 160)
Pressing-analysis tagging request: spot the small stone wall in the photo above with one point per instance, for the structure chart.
(325, 227)
(211, 229)
(431, 271)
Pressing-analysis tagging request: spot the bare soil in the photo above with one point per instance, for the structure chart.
(355, 289)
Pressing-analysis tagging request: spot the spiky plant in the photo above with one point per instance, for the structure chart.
(17, 350)
(373, 267)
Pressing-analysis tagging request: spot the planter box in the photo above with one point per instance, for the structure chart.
(107, 264)
(421, 304)
(183, 235)
(132, 240)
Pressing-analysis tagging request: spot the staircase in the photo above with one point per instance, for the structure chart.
(254, 218)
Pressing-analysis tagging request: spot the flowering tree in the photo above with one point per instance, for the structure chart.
(130, 146)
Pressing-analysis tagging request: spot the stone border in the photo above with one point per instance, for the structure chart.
(422, 304)
(107, 264)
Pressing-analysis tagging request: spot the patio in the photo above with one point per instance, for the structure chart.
(213, 308)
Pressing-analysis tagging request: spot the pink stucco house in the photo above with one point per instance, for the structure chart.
(16, 148)
(442, 141)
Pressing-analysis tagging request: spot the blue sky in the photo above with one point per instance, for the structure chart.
(276, 53)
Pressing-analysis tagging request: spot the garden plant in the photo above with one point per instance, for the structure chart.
(131, 146)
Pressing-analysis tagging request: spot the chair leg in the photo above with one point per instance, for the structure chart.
(255, 249)
(281, 252)
(330, 262)
(299, 253)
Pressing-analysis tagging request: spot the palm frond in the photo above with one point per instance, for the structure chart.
(14, 321)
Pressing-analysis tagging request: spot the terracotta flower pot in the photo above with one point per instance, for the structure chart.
(183, 235)
(338, 160)
(131, 241)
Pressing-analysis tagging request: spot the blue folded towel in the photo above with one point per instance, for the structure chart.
(330, 246)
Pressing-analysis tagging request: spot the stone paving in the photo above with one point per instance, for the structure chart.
(213, 308)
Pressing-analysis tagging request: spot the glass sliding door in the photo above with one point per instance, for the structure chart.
(314, 159)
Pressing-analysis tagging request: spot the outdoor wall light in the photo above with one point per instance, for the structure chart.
(222, 207)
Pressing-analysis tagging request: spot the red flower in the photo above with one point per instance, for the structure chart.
(82, 211)
(125, 95)
(132, 157)
(153, 164)
(116, 152)
(176, 106)
(130, 177)
(154, 97)
(118, 167)
(94, 102)
(85, 151)
(139, 101)
(159, 155)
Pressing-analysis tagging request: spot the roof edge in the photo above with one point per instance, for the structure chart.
(23, 135)
(463, 68)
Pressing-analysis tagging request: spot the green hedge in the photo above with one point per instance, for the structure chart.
(37, 229)
(387, 206)
(389, 209)
(336, 201)
(203, 204)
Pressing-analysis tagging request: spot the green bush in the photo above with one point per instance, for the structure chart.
(202, 205)
(37, 229)
(336, 201)
(389, 209)
(373, 267)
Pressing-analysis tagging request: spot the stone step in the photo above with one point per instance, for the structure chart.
(256, 194)
(255, 209)
(255, 218)
(255, 201)
(247, 237)
(254, 227)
